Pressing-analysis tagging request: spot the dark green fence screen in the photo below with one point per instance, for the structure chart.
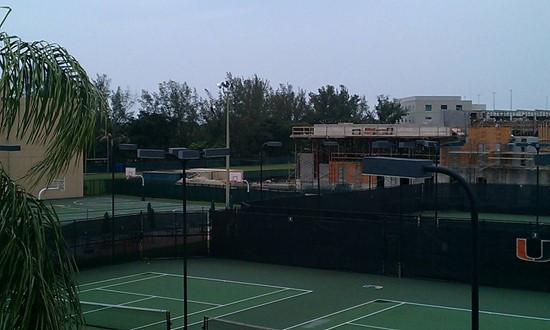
(134, 237)
(374, 232)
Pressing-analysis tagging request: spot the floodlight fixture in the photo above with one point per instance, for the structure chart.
(188, 154)
(398, 167)
(272, 144)
(10, 147)
(151, 153)
(215, 152)
(127, 146)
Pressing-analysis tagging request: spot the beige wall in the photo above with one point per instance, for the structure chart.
(17, 163)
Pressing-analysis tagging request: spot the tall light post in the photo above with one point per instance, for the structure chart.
(183, 155)
(122, 146)
(414, 168)
(270, 144)
(110, 143)
(537, 147)
(437, 150)
(223, 86)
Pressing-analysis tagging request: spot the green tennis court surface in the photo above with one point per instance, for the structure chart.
(95, 207)
(281, 297)
(503, 217)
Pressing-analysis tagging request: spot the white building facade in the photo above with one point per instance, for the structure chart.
(449, 111)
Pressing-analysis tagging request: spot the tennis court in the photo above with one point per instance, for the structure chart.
(95, 207)
(234, 293)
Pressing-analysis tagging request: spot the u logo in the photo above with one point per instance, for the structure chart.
(521, 250)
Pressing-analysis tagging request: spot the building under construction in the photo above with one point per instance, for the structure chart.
(495, 150)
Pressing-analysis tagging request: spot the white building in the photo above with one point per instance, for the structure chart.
(449, 111)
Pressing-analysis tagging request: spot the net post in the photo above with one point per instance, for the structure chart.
(205, 323)
(168, 320)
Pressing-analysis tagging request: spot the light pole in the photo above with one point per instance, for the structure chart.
(537, 147)
(271, 144)
(414, 168)
(437, 150)
(110, 142)
(223, 86)
(122, 146)
(183, 155)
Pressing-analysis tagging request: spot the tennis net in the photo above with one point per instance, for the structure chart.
(221, 324)
(117, 317)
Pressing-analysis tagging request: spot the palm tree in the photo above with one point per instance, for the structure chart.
(45, 97)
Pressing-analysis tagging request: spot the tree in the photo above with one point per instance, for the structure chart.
(332, 106)
(249, 103)
(388, 111)
(287, 108)
(46, 97)
(122, 102)
(180, 104)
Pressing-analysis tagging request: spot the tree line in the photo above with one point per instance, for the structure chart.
(176, 115)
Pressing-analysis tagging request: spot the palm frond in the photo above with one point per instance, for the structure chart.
(37, 290)
(46, 96)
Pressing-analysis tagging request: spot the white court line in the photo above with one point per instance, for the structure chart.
(281, 289)
(123, 283)
(230, 281)
(371, 326)
(117, 305)
(331, 314)
(248, 308)
(114, 279)
(365, 316)
(160, 297)
(468, 310)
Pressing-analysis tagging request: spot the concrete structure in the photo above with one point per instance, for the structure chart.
(372, 131)
(449, 111)
(215, 174)
(512, 115)
(17, 164)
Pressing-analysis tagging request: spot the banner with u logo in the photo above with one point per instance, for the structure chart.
(521, 250)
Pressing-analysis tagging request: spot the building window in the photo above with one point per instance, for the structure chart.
(443, 107)
(428, 107)
(459, 107)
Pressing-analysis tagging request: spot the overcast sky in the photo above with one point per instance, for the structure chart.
(400, 48)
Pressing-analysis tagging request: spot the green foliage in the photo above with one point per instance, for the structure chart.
(175, 104)
(257, 113)
(57, 98)
(37, 290)
(389, 111)
(332, 106)
(47, 98)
